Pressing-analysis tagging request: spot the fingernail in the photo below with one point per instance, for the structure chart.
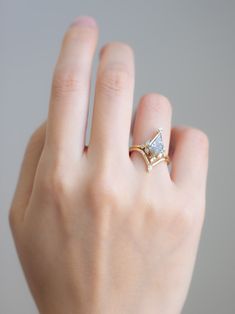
(87, 21)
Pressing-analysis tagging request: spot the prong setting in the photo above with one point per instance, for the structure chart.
(153, 150)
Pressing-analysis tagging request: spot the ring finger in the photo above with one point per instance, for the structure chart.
(153, 112)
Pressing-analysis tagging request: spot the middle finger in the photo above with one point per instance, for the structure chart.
(113, 101)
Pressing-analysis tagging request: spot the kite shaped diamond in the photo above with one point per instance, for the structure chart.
(156, 146)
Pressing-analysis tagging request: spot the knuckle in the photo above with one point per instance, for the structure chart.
(55, 188)
(157, 102)
(56, 185)
(177, 217)
(115, 79)
(186, 214)
(151, 214)
(67, 81)
(182, 219)
(102, 192)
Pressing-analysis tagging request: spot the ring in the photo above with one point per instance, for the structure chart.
(153, 151)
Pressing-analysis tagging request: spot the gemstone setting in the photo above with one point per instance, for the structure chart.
(155, 146)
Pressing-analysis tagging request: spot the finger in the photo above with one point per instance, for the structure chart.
(153, 112)
(70, 90)
(27, 174)
(113, 101)
(189, 157)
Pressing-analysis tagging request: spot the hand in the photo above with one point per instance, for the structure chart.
(95, 232)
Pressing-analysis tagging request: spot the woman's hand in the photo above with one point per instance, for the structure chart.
(95, 232)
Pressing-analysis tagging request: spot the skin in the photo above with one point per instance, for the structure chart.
(94, 231)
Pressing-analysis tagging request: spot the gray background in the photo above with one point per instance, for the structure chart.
(185, 50)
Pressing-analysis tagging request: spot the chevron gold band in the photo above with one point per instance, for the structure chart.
(153, 151)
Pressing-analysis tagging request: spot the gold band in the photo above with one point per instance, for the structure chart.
(152, 158)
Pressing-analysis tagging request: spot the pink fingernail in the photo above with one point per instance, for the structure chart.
(84, 21)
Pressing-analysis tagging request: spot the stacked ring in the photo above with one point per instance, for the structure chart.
(153, 151)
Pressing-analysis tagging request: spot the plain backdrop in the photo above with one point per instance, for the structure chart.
(184, 50)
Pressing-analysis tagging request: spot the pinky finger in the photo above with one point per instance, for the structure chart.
(189, 154)
(27, 174)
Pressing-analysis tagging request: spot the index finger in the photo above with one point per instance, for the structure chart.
(68, 109)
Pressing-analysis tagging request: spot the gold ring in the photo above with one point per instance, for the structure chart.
(153, 151)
